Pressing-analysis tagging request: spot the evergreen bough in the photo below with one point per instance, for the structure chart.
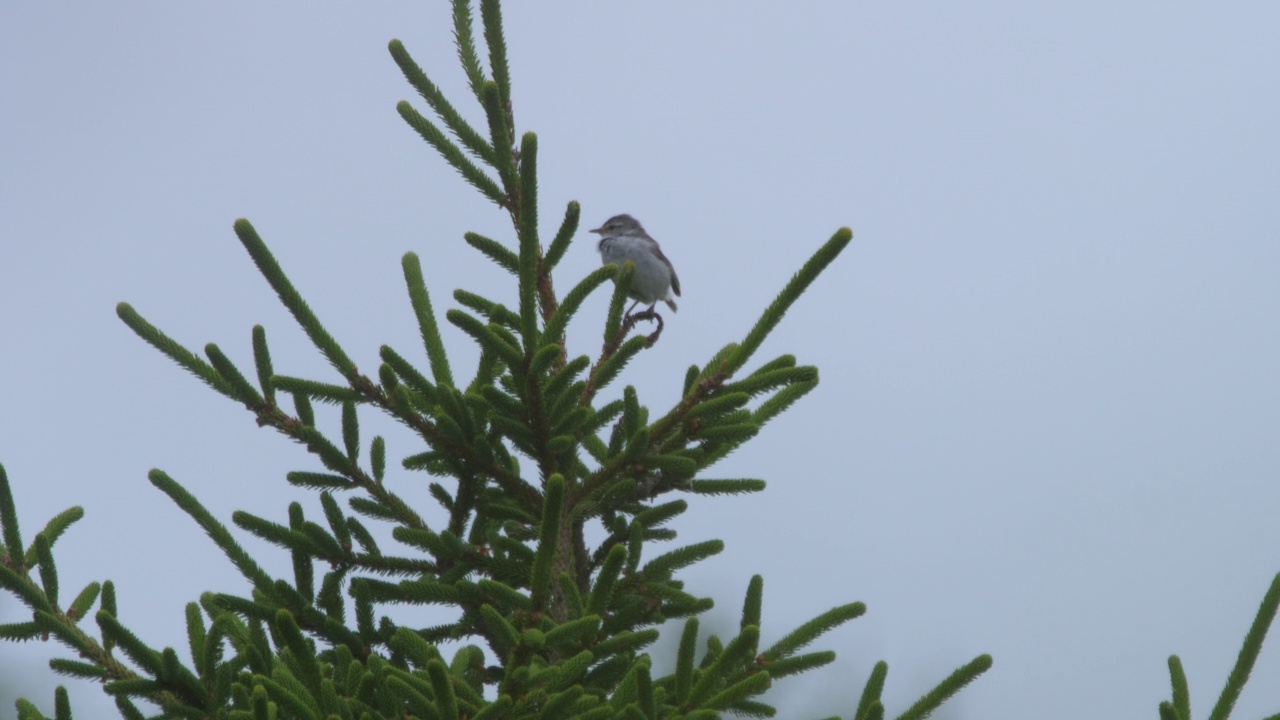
(526, 458)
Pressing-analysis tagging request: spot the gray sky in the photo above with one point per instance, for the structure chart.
(1048, 415)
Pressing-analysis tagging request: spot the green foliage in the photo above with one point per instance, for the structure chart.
(1179, 707)
(524, 456)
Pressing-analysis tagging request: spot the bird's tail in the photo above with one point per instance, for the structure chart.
(670, 303)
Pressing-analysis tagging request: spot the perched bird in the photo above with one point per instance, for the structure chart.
(621, 239)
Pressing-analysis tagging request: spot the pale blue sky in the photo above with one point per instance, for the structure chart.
(1048, 419)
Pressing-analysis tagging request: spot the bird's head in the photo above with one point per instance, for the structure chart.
(619, 225)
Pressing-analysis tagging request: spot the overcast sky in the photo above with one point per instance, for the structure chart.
(1048, 419)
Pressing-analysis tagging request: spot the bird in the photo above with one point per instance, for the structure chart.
(622, 238)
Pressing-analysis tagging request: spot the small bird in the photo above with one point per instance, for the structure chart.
(622, 238)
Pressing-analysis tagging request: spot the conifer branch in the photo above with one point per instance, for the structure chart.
(548, 542)
(871, 693)
(427, 327)
(453, 154)
(262, 363)
(65, 631)
(684, 661)
(57, 525)
(495, 251)
(657, 515)
(664, 565)
(726, 664)
(609, 365)
(12, 537)
(109, 599)
(197, 637)
(797, 664)
(527, 231)
(613, 320)
(288, 538)
(726, 487)
(72, 668)
(408, 373)
(48, 572)
(752, 605)
(27, 591)
(319, 481)
(244, 392)
(214, 529)
(315, 390)
(471, 139)
(104, 666)
(446, 703)
(781, 401)
(1248, 652)
(491, 18)
(84, 600)
(304, 658)
(1181, 693)
(606, 579)
(301, 406)
(176, 352)
(378, 458)
(735, 694)
(351, 432)
(564, 236)
(954, 683)
(809, 631)
(438, 436)
(488, 337)
(541, 363)
(793, 290)
(572, 302)
(501, 138)
(292, 300)
(464, 39)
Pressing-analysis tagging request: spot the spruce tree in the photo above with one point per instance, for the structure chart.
(531, 452)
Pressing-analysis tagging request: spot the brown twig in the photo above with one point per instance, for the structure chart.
(629, 322)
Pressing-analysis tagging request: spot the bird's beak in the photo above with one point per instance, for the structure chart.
(597, 231)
